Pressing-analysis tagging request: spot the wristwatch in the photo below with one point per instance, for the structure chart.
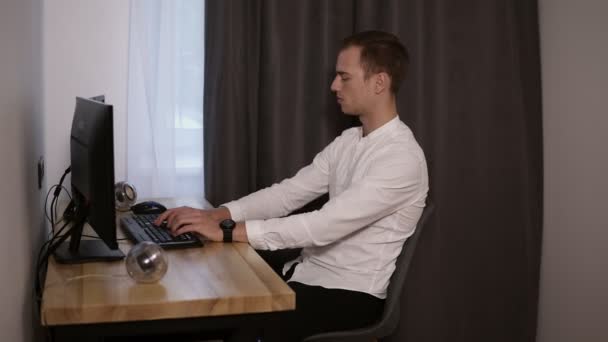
(227, 226)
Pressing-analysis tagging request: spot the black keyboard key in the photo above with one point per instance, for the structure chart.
(160, 234)
(165, 233)
(151, 236)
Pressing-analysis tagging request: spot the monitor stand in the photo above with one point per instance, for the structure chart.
(89, 251)
(78, 251)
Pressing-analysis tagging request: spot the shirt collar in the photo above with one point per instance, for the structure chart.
(387, 127)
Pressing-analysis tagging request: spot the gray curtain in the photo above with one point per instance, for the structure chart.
(268, 107)
(472, 98)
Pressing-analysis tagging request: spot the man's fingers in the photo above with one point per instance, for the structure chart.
(169, 214)
(162, 217)
(165, 216)
(178, 218)
(184, 229)
(174, 216)
(181, 220)
(179, 212)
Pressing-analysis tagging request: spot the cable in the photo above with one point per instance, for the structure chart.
(48, 211)
(41, 262)
(52, 212)
(86, 276)
(98, 238)
(46, 201)
(43, 256)
(65, 173)
(56, 194)
(49, 246)
(57, 220)
(44, 253)
(55, 210)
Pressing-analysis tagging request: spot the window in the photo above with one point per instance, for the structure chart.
(165, 98)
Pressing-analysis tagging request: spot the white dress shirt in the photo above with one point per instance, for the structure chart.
(377, 188)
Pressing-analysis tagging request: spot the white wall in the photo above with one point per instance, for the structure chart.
(21, 142)
(86, 54)
(50, 52)
(574, 271)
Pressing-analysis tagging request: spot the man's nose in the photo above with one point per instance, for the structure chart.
(334, 84)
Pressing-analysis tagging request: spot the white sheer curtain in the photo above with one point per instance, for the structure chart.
(165, 98)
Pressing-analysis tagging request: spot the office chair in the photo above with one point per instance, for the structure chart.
(390, 315)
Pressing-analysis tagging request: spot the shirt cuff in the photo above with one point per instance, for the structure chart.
(255, 234)
(236, 212)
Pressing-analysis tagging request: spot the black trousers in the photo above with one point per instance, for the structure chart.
(321, 310)
(318, 309)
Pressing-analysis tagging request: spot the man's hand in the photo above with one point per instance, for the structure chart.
(204, 222)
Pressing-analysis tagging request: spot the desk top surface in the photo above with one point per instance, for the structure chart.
(217, 279)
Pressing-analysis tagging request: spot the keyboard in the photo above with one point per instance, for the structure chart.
(140, 228)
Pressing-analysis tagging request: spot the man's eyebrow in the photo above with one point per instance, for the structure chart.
(342, 73)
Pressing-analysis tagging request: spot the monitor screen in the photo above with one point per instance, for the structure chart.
(92, 164)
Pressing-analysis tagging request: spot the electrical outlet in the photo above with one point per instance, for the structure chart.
(40, 172)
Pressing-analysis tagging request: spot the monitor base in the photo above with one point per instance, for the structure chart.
(89, 251)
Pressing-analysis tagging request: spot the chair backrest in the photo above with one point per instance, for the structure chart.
(390, 315)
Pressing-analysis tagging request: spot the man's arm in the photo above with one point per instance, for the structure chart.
(394, 181)
(275, 201)
(281, 199)
(278, 200)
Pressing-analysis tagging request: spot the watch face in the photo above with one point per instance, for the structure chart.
(227, 224)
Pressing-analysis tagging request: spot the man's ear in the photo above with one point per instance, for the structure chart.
(383, 82)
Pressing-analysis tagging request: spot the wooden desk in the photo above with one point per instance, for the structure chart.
(219, 279)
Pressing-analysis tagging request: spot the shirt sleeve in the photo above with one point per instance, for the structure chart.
(393, 181)
(280, 199)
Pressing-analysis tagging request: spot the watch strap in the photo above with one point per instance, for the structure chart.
(227, 226)
(227, 234)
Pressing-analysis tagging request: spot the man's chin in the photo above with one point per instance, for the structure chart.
(348, 111)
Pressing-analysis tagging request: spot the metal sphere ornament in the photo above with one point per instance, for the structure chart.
(146, 262)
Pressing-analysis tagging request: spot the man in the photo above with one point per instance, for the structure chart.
(376, 176)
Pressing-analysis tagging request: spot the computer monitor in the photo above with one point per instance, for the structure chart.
(92, 164)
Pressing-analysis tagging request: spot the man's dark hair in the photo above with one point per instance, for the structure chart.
(381, 52)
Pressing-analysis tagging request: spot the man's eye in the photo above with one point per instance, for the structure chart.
(345, 78)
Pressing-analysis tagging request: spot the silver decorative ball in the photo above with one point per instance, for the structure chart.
(146, 262)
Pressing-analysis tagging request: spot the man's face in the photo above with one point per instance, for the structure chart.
(352, 90)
